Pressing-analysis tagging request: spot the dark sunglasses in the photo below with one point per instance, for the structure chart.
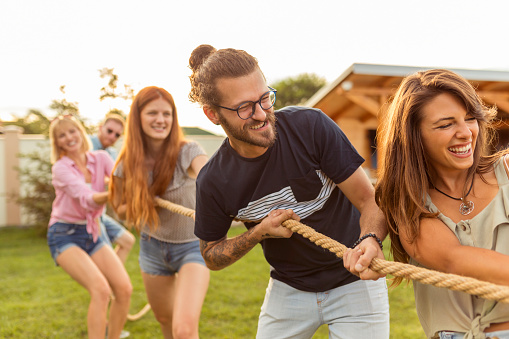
(111, 131)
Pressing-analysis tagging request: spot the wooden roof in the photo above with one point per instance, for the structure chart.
(363, 90)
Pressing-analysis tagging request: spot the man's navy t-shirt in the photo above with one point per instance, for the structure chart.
(299, 172)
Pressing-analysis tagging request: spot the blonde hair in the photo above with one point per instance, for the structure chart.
(57, 152)
(115, 117)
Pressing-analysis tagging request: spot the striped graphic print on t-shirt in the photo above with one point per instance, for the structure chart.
(284, 199)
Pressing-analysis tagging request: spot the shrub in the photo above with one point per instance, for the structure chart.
(37, 192)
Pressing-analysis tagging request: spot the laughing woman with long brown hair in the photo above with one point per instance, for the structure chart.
(446, 200)
(156, 160)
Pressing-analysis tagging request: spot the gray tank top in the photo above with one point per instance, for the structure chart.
(174, 227)
(440, 309)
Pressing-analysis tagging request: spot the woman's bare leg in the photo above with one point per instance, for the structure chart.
(116, 275)
(80, 266)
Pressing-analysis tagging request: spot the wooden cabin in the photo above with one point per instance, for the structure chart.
(357, 99)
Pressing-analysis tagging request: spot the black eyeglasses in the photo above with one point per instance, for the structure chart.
(247, 108)
(111, 131)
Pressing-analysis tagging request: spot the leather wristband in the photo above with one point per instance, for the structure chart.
(373, 235)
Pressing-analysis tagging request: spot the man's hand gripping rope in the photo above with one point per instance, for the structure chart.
(382, 267)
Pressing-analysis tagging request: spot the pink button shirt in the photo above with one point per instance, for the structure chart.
(73, 201)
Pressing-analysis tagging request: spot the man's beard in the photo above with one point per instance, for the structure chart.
(265, 139)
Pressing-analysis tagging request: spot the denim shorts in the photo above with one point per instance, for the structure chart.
(458, 335)
(111, 229)
(163, 258)
(356, 310)
(62, 236)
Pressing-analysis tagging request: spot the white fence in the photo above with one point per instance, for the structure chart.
(13, 143)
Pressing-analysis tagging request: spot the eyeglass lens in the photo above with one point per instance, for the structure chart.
(247, 109)
(111, 131)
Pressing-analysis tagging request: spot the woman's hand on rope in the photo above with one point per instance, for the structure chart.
(270, 227)
(358, 259)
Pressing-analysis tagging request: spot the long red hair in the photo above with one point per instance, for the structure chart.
(137, 194)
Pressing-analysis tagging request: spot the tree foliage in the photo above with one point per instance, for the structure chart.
(39, 193)
(64, 107)
(34, 122)
(110, 91)
(297, 90)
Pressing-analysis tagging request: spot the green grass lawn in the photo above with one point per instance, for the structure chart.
(39, 300)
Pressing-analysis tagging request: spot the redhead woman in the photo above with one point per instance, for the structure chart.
(73, 235)
(155, 160)
(446, 200)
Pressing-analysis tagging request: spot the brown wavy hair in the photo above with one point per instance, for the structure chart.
(403, 174)
(137, 194)
(209, 65)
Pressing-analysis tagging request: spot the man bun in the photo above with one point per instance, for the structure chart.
(199, 55)
(208, 65)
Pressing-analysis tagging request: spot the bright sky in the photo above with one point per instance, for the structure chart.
(46, 44)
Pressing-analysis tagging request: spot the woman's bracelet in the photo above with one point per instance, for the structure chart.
(373, 235)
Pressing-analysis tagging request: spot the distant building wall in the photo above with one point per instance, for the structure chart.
(3, 198)
(13, 143)
(362, 134)
(358, 134)
(210, 143)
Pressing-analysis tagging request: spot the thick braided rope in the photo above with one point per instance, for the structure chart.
(141, 313)
(174, 207)
(453, 282)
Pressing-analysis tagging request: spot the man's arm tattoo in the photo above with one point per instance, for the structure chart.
(224, 252)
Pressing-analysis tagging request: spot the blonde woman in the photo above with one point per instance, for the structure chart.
(73, 234)
(155, 160)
